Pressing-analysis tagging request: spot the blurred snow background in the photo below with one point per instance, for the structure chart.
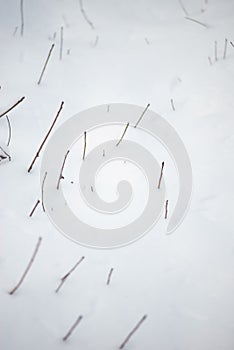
(146, 51)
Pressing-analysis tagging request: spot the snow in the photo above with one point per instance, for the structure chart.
(184, 281)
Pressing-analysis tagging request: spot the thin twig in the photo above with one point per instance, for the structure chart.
(121, 138)
(172, 104)
(91, 187)
(96, 41)
(46, 62)
(84, 145)
(108, 108)
(196, 21)
(215, 51)
(232, 43)
(15, 30)
(14, 105)
(61, 171)
(183, 8)
(22, 17)
(161, 174)
(64, 278)
(47, 135)
(42, 192)
(209, 59)
(8, 155)
(132, 332)
(85, 14)
(28, 267)
(9, 130)
(142, 114)
(61, 44)
(166, 209)
(72, 328)
(109, 276)
(34, 208)
(103, 153)
(225, 49)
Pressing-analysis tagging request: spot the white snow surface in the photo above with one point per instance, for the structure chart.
(146, 52)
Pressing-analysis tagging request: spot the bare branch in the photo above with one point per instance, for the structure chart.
(72, 328)
(126, 127)
(166, 209)
(172, 104)
(196, 21)
(183, 8)
(85, 14)
(133, 331)
(109, 276)
(61, 171)
(142, 114)
(64, 278)
(34, 208)
(84, 145)
(46, 62)
(161, 174)
(9, 130)
(14, 105)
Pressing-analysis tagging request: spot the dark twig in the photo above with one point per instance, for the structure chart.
(72, 328)
(132, 332)
(42, 191)
(232, 43)
(121, 138)
(8, 156)
(61, 171)
(46, 62)
(61, 44)
(109, 276)
(85, 15)
(22, 17)
(196, 21)
(84, 145)
(172, 104)
(47, 135)
(215, 51)
(64, 278)
(9, 131)
(161, 174)
(225, 49)
(34, 208)
(166, 209)
(14, 105)
(142, 114)
(28, 267)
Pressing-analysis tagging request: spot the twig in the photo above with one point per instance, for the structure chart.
(72, 328)
(28, 267)
(225, 49)
(103, 153)
(15, 30)
(22, 17)
(96, 41)
(46, 62)
(209, 59)
(161, 174)
(34, 208)
(61, 171)
(9, 157)
(232, 43)
(166, 209)
(196, 21)
(109, 276)
(132, 332)
(121, 138)
(85, 15)
(42, 192)
(14, 105)
(183, 8)
(61, 44)
(9, 132)
(215, 51)
(64, 278)
(47, 135)
(84, 145)
(91, 187)
(142, 114)
(172, 104)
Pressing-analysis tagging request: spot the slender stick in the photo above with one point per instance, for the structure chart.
(209, 59)
(225, 49)
(231, 43)
(42, 192)
(161, 174)
(91, 187)
(72, 328)
(15, 30)
(215, 51)
(96, 41)
(46, 62)
(125, 129)
(196, 21)
(142, 114)
(166, 209)
(61, 171)
(84, 145)
(64, 278)
(8, 155)
(34, 208)
(85, 15)
(22, 17)
(183, 8)
(28, 267)
(109, 276)
(172, 104)
(132, 332)
(9, 131)
(47, 135)
(61, 44)
(14, 105)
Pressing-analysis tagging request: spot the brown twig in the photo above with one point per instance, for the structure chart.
(8, 155)
(9, 130)
(196, 21)
(85, 14)
(61, 171)
(132, 332)
(166, 209)
(161, 174)
(28, 267)
(109, 276)
(22, 17)
(14, 105)
(72, 328)
(61, 44)
(34, 208)
(42, 192)
(215, 51)
(142, 114)
(46, 62)
(47, 135)
(84, 145)
(64, 278)
(121, 138)
(172, 104)
(225, 49)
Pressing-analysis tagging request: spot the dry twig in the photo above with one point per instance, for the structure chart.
(161, 174)
(46, 62)
(132, 332)
(61, 171)
(126, 127)
(72, 328)
(142, 114)
(109, 276)
(34, 208)
(14, 105)
(64, 278)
